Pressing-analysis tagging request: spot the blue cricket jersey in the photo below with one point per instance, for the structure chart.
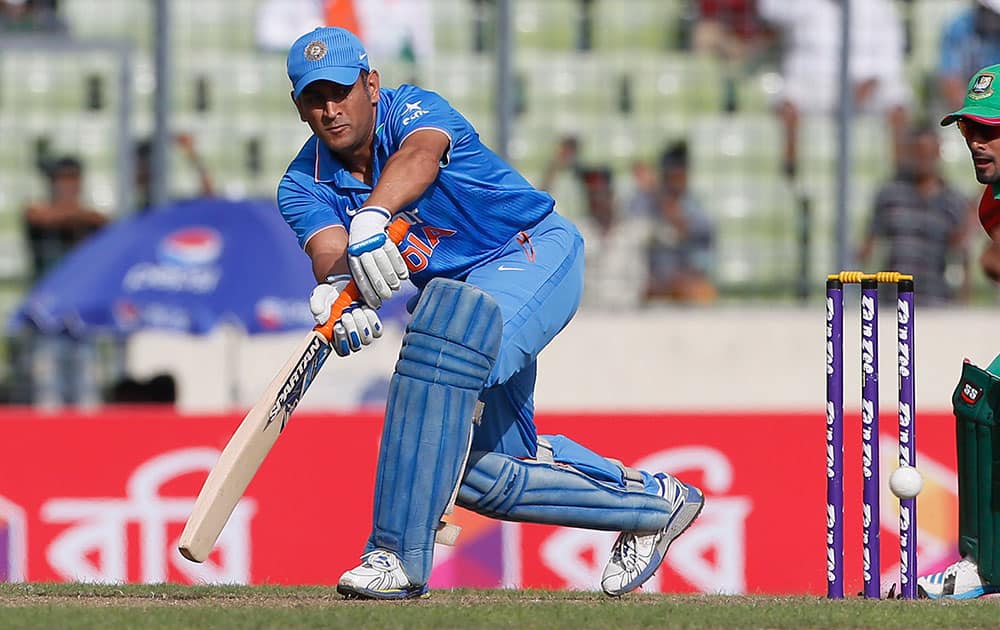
(465, 218)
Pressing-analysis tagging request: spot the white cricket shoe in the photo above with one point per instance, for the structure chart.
(636, 557)
(959, 581)
(380, 576)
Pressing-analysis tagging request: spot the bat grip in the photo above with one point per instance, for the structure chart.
(397, 232)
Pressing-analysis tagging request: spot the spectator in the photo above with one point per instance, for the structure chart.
(680, 236)
(614, 273)
(811, 64)
(56, 225)
(921, 221)
(561, 179)
(62, 369)
(32, 16)
(143, 169)
(969, 42)
(392, 30)
(729, 29)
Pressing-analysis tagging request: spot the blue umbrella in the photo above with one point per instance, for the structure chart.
(188, 266)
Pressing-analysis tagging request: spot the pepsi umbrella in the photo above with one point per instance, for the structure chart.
(187, 266)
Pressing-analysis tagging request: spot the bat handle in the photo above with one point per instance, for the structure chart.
(397, 232)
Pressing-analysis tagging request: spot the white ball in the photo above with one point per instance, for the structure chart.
(906, 482)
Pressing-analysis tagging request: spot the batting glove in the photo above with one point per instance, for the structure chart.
(357, 327)
(376, 264)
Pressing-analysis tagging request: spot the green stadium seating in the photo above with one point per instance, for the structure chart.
(629, 95)
(638, 25)
(546, 24)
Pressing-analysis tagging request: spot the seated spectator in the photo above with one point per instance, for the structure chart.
(728, 29)
(56, 225)
(921, 222)
(63, 368)
(680, 236)
(614, 271)
(29, 16)
(969, 42)
(143, 169)
(811, 38)
(561, 179)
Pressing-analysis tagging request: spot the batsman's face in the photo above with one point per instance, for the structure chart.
(984, 145)
(341, 116)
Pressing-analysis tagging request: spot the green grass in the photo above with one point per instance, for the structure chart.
(169, 606)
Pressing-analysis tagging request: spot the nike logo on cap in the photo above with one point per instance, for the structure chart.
(506, 268)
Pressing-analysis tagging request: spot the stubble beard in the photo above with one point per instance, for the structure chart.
(989, 179)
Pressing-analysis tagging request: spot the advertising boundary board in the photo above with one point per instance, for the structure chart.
(103, 496)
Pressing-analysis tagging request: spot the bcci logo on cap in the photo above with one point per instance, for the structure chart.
(193, 246)
(982, 87)
(315, 50)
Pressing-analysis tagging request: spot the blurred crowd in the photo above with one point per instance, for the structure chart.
(660, 237)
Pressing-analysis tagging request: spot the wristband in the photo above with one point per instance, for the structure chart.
(334, 278)
(379, 209)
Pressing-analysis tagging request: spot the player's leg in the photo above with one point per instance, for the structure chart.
(575, 487)
(976, 403)
(448, 351)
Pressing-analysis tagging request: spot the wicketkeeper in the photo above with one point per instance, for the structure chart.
(500, 274)
(977, 398)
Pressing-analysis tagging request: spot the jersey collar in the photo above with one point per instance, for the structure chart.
(328, 169)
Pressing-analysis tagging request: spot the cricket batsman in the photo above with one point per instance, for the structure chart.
(500, 273)
(976, 400)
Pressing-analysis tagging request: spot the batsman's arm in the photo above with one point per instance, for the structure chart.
(411, 169)
(397, 232)
(260, 428)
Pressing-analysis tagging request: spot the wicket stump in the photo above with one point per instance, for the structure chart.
(869, 430)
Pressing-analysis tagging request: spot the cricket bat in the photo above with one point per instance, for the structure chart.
(260, 429)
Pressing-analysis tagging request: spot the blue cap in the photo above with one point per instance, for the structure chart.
(327, 54)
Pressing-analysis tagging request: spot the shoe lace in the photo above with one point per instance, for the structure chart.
(377, 559)
(626, 553)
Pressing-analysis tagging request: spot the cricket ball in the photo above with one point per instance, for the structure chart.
(906, 482)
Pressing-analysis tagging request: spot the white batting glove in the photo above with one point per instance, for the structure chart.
(356, 328)
(376, 264)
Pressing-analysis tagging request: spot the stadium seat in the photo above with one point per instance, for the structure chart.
(546, 24)
(650, 25)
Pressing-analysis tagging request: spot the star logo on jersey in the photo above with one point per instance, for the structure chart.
(413, 111)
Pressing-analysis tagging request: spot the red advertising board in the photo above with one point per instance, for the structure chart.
(103, 497)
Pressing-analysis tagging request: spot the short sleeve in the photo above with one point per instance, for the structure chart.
(878, 225)
(303, 210)
(414, 109)
(989, 211)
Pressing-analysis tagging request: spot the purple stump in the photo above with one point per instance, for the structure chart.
(834, 439)
(907, 439)
(5, 553)
(869, 438)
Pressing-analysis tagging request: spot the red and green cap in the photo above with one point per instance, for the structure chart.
(982, 101)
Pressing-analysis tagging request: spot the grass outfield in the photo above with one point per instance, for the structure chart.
(170, 606)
